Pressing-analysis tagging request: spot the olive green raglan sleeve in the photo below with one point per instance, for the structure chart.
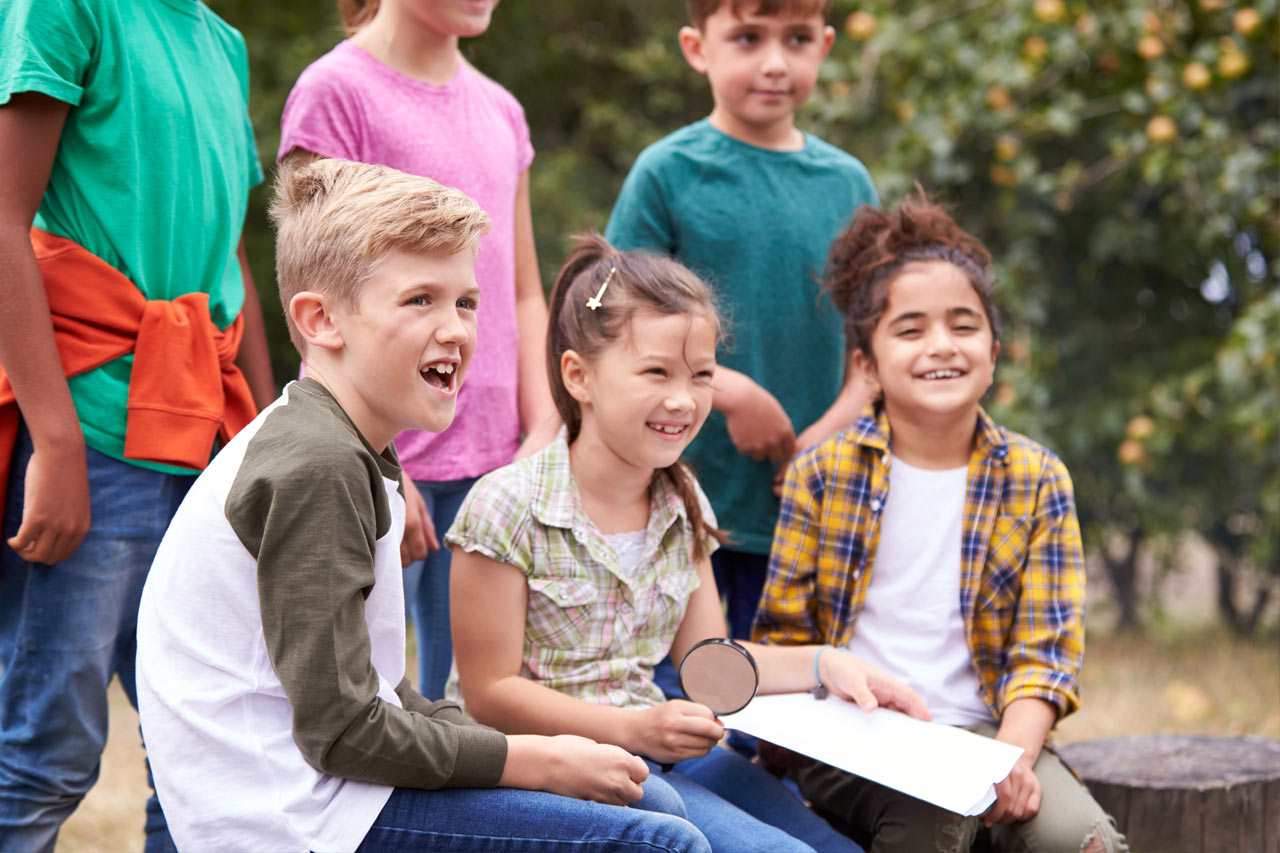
(311, 513)
(442, 709)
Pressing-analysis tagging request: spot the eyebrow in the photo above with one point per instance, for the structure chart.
(434, 288)
(961, 310)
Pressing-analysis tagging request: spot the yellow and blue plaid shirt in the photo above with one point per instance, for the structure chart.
(1022, 579)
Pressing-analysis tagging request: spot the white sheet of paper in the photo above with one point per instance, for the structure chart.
(943, 765)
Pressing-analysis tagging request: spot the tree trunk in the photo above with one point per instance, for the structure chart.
(1185, 794)
(1241, 623)
(1123, 573)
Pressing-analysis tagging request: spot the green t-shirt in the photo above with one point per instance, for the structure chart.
(156, 159)
(757, 225)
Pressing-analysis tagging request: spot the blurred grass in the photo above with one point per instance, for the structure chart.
(1201, 681)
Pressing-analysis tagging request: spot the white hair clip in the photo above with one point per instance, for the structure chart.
(594, 302)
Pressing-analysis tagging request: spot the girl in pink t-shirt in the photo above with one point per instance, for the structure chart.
(398, 93)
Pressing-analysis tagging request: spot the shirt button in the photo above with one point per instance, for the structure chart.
(875, 504)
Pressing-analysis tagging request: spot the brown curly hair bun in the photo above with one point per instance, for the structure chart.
(866, 258)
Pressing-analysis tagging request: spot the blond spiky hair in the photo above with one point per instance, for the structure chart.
(336, 220)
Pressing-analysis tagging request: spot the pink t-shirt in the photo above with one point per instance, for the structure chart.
(470, 134)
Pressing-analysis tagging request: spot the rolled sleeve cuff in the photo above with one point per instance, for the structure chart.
(1054, 686)
(485, 752)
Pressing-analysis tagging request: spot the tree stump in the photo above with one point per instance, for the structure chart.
(1176, 793)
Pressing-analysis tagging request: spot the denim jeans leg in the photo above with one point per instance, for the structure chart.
(727, 827)
(758, 793)
(65, 630)
(430, 602)
(505, 820)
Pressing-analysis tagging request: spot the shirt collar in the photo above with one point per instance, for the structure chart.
(556, 502)
(872, 430)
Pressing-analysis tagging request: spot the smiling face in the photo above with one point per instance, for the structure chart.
(645, 396)
(761, 69)
(406, 345)
(933, 350)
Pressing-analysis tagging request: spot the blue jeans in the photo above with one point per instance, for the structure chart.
(740, 806)
(426, 587)
(505, 819)
(65, 630)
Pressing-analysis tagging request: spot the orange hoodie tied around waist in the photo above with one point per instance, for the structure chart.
(185, 389)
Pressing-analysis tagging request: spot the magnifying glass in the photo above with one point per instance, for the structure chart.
(720, 674)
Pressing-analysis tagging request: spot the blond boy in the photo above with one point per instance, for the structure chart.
(271, 633)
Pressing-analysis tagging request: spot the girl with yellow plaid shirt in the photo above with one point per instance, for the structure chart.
(977, 595)
(578, 569)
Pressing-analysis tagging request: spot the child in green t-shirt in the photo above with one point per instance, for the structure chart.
(751, 203)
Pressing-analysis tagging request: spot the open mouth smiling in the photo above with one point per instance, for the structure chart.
(440, 375)
(668, 429)
(945, 373)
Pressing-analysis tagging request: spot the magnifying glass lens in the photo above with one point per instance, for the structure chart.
(720, 674)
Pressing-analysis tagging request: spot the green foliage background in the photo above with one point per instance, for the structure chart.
(1139, 259)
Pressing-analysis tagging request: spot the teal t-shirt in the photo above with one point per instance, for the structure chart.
(156, 159)
(757, 225)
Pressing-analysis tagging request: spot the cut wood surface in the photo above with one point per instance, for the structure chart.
(1176, 793)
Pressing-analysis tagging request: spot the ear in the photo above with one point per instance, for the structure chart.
(691, 46)
(310, 313)
(866, 367)
(828, 38)
(573, 372)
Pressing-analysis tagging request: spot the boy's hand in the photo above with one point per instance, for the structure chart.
(1018, 796)
(419, 529)
(849, 677)
(757, 424)
(55, 511)
(675, 731)
(574, 766)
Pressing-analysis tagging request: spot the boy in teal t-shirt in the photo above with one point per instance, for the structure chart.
(125, 137)
(752, 203)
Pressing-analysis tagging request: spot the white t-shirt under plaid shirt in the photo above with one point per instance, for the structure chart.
(593, 630)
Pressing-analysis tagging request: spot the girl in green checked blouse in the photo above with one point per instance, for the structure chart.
(578, 569)
(977, 594)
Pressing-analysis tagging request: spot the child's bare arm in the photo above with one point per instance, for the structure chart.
(488, 602)
(758, 425)
(856, 392)
(254, 357)
(55, 514)
(1026, 723)
(574, 767)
